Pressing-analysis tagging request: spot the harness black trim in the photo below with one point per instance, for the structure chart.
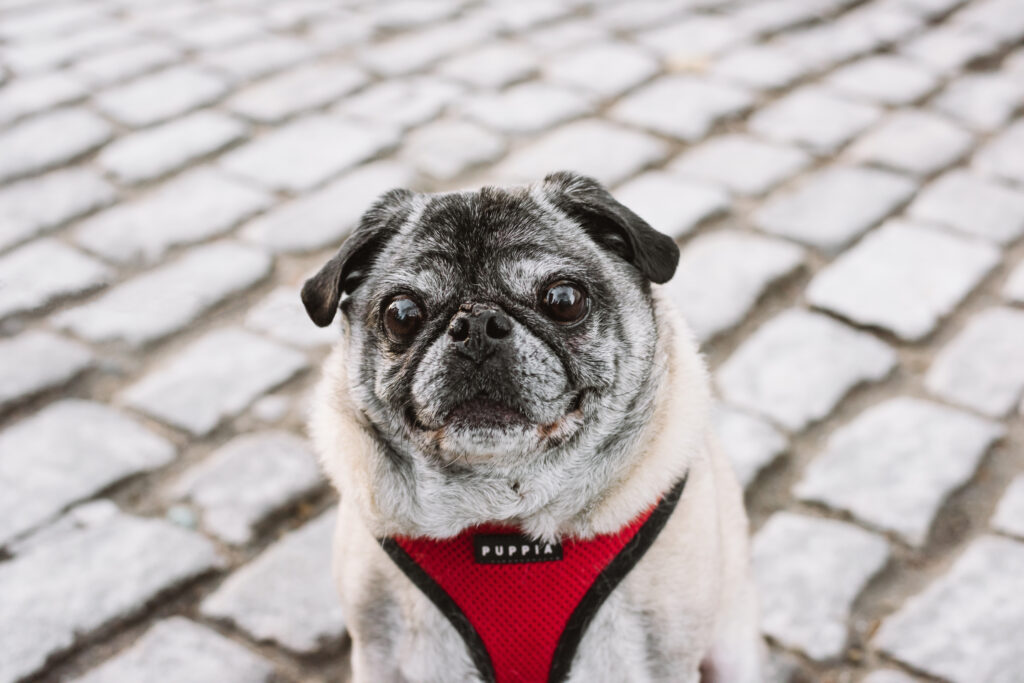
(477, 651)
(607, 581)
(581, 616)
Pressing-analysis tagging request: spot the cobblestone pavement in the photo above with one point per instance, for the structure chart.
(845, 178)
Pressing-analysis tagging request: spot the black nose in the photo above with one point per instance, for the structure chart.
(477, 330)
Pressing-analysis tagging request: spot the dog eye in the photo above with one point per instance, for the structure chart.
(403, 318)
(564, 302)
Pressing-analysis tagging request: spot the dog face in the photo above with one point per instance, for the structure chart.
(497, 328)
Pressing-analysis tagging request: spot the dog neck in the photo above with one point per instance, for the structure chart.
(556, 499)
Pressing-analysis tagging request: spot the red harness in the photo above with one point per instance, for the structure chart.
(523, 606)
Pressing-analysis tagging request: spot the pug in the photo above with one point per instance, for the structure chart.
(517, 422)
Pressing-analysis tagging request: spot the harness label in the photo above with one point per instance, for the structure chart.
(513, 549)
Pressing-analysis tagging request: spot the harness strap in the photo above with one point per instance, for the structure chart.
(523, 615)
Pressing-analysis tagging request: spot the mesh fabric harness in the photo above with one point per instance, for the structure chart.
(523, 621)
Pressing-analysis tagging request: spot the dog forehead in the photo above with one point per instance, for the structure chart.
(474, 235)
(481, 221)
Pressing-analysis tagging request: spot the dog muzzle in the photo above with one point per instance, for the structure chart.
(522, 606)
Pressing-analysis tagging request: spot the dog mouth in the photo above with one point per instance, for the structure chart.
(485, 413)
(482, 412)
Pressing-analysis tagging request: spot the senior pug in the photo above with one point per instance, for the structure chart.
(517, 423)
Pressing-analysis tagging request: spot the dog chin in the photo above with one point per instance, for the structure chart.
(485, 431)
(478, 444)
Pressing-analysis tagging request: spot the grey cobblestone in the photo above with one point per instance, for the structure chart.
(196, 654)
(527, 108)
(216, 377)
(983, 367)
(762, 67)
(520, 16)
(407, 14)
(160, 96)
(672, 204)
(1014, 288)
(141, 559)
(1014, 63)
(683, 107)
(247, 480)
(972, 205)
(411, 52)
(302, 13)
(35, 94)
(271, 409)
(1009, 515)
(35, 55)
(813, 118)
(743, 164)
(913, 142)
(158, 151)
(964, 627)
(809, 572)
(799, 365)
(67, 452)
(308, 151)
(883, 24)
(751, 443)
(949, 47)
(340, 30)
(286, 595)
(164, 300)
(769, 17)
(604, 70)
(281, 316)
(1003, 157)
(401, 103)
(296, 91)
(566, 35)
(324, 217)
(887, 79)
(889, 676)
(1001, 18)
(30, 146)
(38, 361)
(834, 206)
(445, 149)
(825, 45)
(43, 271)
(492, 66)
(193, 207)
(207, 31)
(257, 57)
(895, 464)
(930, 9)
(50, 21)
(243, 139)
(114, 66)
(637, 15)
(608, 152)
(905, 278)
(159, 19)
(983, 101)
(693, 38)
(722, 275)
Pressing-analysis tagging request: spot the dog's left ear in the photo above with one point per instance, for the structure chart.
(347, 269)
(614, 226)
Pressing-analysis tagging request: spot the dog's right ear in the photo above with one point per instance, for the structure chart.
(614, 226)
(346, 270)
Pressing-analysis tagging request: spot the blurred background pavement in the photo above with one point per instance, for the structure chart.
(846, 181)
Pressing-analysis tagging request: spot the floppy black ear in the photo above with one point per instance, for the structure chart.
(613, 225)
(342, 274)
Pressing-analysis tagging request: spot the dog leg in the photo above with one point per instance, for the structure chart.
(738, 652)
